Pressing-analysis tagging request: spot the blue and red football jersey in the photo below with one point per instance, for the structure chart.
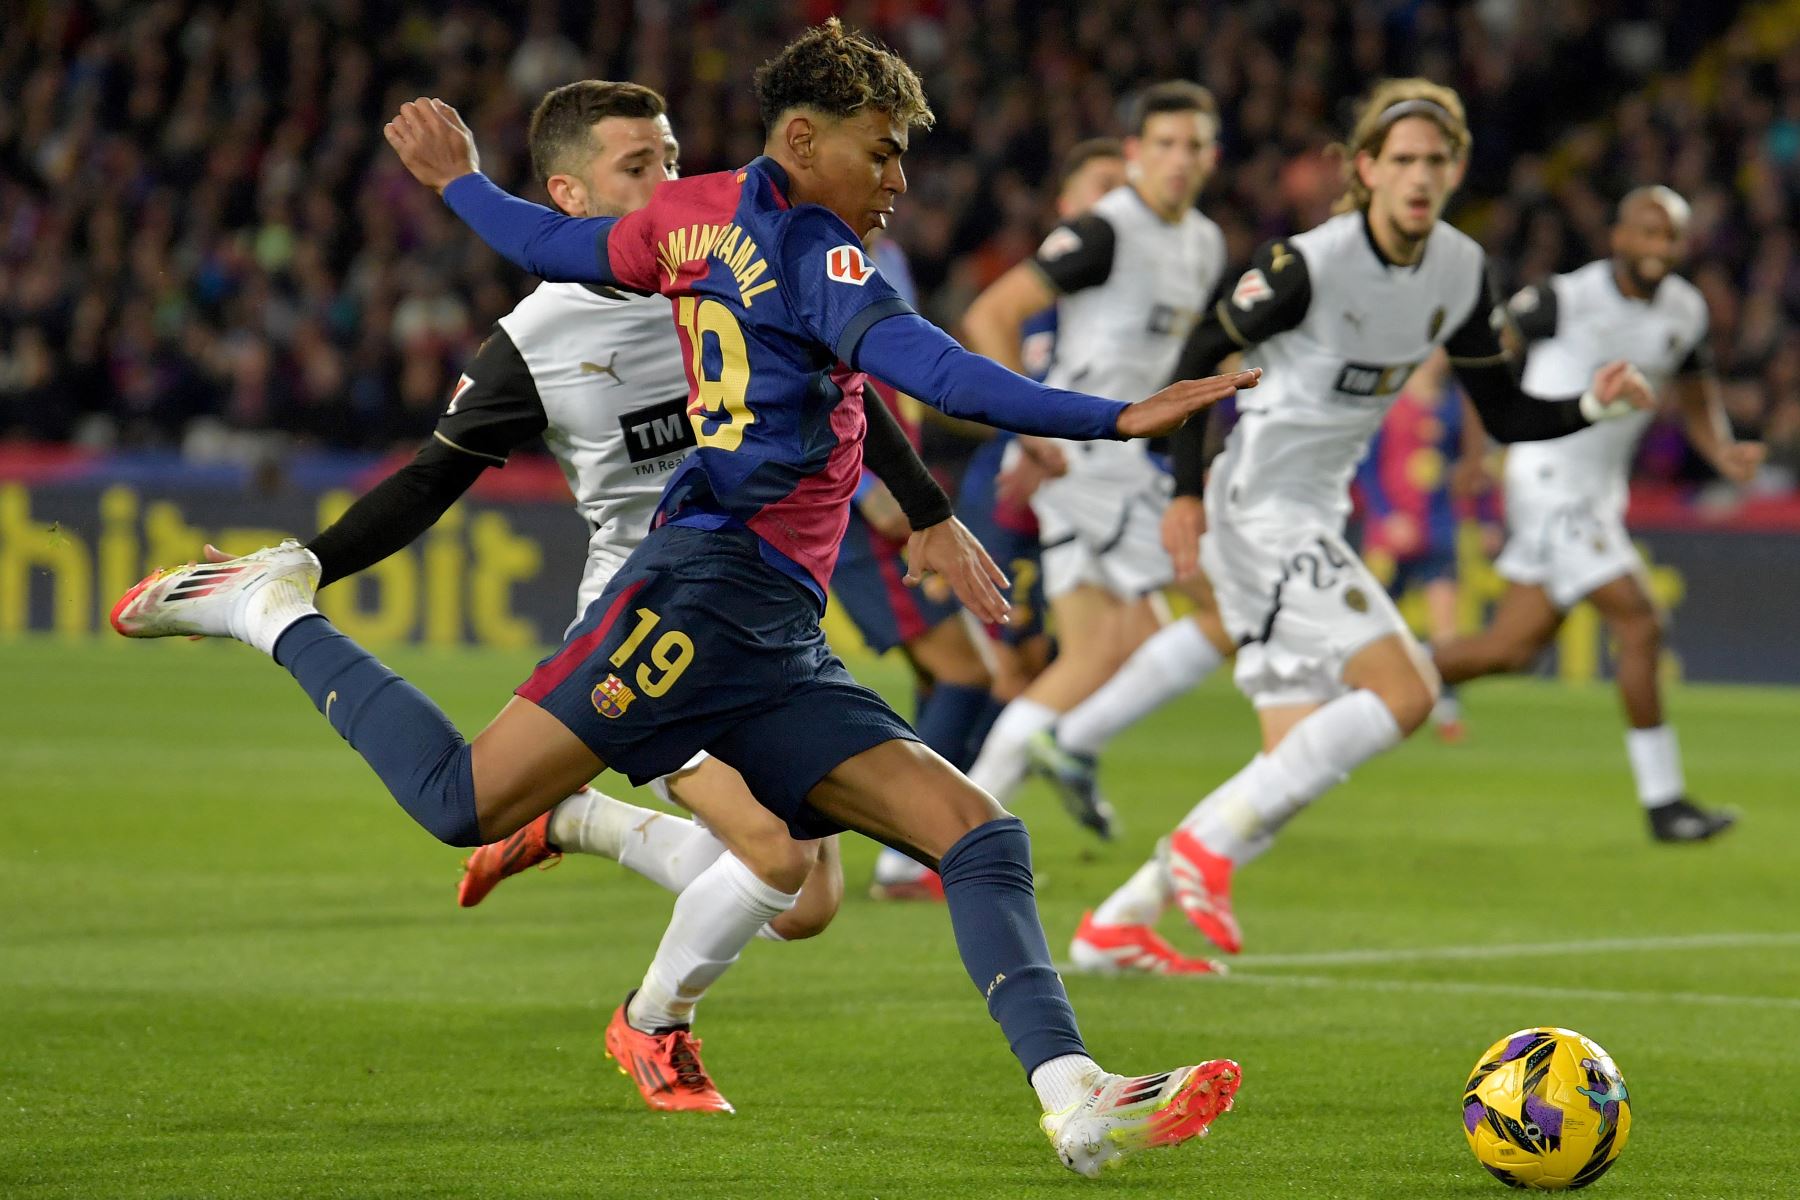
(761, 289)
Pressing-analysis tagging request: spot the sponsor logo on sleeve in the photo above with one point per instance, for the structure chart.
(462, 385)
(847, 264)
(1062, 240)
(1252, 289)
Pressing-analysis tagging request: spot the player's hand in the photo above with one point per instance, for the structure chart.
(1182, 524)
(1471, 476)
(950, 550)
(1015, 484)
(1170, 408)
(1740, 461)
(1621, 381)
(432, 142)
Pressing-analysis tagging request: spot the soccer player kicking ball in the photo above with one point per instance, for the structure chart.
(780, 312)
(602, 376)
(1565, 499)
(1340, 315)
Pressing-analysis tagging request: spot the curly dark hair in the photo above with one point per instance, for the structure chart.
(563, 122)
(840, 72)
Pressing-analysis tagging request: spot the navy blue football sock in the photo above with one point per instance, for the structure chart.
(987, 882)
(984, 724)
(406, 738)
(944, 718)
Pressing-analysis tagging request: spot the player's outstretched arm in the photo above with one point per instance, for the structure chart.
(438, 149)
(922, 360)
(1709, 429)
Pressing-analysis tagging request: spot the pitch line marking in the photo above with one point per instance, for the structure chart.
(1512, 989)
(1697, 941)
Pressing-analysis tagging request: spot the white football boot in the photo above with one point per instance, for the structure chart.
(252, 598)
(1122, 1115)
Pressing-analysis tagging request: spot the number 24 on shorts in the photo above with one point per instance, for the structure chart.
(670, 655)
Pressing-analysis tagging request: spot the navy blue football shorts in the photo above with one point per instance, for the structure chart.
(870, 585)
(698, 644)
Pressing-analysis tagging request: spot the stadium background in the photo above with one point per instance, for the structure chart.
(225, 310)
(228, 966)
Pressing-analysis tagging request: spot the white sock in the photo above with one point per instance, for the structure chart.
(1000, 767)
(1656, 763)
(1230, 822)
(666, 849)
(891, 866)
(278, 605)
(1175, 660)
(1141, 899)
(715, 917)
(1063, 1081)
(1317, 754)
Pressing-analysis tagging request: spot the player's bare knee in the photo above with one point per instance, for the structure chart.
(1639, 632)
(777, 859)
(818, 905)
(1516, 656)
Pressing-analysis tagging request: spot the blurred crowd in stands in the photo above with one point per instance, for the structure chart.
(204, 238)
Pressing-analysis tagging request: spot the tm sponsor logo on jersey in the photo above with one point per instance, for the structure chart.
(660, 431)
(846, 264)
(1372, 379)
(729, 245)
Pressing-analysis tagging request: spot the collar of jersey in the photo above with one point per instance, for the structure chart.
(1384, 260)
(1139, 197)
(777, 174)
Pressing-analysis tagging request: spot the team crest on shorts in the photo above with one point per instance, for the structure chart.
(1356, 599)
(612, 697)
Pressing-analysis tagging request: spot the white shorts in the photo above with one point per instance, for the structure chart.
(1094, 532)
(1567, 545)
(1301, 604)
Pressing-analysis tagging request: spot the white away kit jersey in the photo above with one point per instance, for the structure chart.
(1576, 324)
(1130, 286)
(600, 374)
(1337, 329)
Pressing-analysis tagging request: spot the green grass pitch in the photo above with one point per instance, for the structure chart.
(229, 966)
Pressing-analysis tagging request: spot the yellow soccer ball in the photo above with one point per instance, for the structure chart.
(1546, 1108)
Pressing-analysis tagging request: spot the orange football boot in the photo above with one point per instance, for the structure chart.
(484, 869)
(1136, 949)
(665, 1066)
(928, 887)
(1202, 882)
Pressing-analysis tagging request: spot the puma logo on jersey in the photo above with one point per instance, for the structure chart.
(846, 264)
(588, 368)
(1355, 319)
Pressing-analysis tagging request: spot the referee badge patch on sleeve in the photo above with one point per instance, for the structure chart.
(1252, 288)
(846, 264)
